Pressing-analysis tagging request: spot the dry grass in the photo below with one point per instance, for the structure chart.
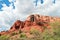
(54, 34)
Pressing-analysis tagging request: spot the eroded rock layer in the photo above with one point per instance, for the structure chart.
(33, 21)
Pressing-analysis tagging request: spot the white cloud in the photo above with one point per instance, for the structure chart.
(23, 8)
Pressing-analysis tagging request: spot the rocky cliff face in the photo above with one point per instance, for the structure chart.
(33, 21)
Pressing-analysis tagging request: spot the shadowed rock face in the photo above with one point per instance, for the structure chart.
(40, 23)
(33, 21)
(17, 25)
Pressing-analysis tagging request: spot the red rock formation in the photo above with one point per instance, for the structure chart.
(33, 21)
(17, 25)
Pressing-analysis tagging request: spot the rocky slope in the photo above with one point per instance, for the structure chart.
(33, 21)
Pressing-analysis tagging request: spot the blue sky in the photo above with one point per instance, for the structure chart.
(42, 1)
(24, 8)
(7, 4)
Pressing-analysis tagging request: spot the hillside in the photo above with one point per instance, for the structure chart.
(35, 27)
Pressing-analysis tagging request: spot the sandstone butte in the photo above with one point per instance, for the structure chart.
(33, 21)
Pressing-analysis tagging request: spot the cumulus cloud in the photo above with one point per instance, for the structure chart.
(23, 8)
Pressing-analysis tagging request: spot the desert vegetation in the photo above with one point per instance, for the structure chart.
(53, 34)
(35, 28)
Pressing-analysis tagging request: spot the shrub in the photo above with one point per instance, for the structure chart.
(34, 31)
(4, 37)
(20, 31)
(14, 33)
(23, 35)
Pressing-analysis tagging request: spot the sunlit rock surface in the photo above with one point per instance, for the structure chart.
(36, 21)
